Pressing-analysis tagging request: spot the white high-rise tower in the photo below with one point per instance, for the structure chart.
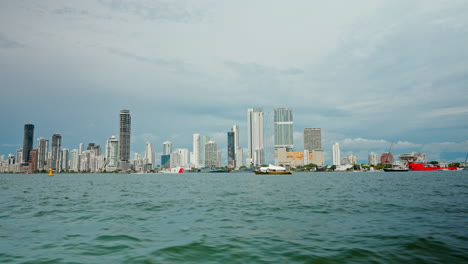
(167, 148)
(195, 159)
(336, 154)
(112, 153)
(255, 137)
(150, 156)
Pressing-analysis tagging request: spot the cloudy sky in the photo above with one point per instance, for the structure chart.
(368, 72)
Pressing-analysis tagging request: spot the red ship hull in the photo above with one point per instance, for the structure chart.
(427, 167)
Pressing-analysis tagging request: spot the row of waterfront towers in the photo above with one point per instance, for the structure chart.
(205, 153)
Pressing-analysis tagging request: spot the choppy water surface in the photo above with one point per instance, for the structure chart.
(414, 217)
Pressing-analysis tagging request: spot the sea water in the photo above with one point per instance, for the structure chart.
(316, 217)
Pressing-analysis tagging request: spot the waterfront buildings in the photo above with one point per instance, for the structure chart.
(74, 160)
(42, 153)
(33, 160)
(238, 152)
(124, 139)
(211, 154)
(283, 127)
(255, 137)
(312, 138)
(55, 154)
(167, 148)
(112, 153)
(27, 141)
(231, 154)
(183, 158)
(64, 153)
(373, 159)
(150, 156)
(386, 158)
(195, 158)
(336, 154)
(313, 146)
(203, 141)
(288, 158)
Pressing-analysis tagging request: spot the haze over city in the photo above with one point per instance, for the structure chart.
(354, 70)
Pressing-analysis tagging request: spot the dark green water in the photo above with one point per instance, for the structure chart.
(414, 217)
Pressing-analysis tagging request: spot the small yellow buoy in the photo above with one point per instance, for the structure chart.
(51, 173)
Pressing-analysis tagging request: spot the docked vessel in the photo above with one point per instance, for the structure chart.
(397, 166)
(271, 169)
(416, 166)
(173, 170)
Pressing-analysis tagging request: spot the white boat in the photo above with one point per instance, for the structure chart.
(173, 170)
(271, 169)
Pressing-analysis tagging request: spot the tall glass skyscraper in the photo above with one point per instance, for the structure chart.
(255, 137)
(27, 141)
(124, 135)
(283, 125)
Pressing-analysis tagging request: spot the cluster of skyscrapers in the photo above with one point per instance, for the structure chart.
(205, 153)
(51, 155)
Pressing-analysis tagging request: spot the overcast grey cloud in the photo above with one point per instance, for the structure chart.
(367, 72)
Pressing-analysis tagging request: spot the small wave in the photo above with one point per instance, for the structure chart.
(117, 238)
(46, 213)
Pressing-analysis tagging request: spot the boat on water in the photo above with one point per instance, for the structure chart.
(419, 166)
(143, 172)
(271, 169)
(397, 167)
(173, 170)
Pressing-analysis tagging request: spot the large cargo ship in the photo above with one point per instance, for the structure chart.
(416, 166)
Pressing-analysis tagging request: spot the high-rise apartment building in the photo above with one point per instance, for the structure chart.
(373, 159)
(150, 155)
(74, 160)
(167, 148)
(235, 129)
(195, 158)
(27, 141)
(56, 148)
(42, 150)
(313, 146)
(124, 135)
(64, 159)
(336, 154)
(231, 154)
(283, 126)
(312, 138)
(203, 141)
(33, 160)
(183, 158)
(211, 154)
(112, 153)
(255, 137)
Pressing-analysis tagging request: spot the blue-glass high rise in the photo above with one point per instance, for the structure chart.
(27, 141)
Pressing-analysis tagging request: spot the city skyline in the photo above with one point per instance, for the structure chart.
(364, 77)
